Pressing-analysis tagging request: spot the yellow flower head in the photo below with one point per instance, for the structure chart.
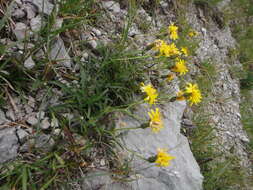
(170, 77)
(192, 33)
(180, 95)
(180, 67)
(185, 51)
(173, 31)
(193, 93)
(156, 122)
(151, 93)
(169, 50)
(163, 158)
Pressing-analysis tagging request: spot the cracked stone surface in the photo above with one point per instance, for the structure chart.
(8, 144)
(184, 172)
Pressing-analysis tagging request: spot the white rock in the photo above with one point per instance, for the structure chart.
(8, 144)
(93, 43)
(44, 6)
(184, 172)
(60, 54)
(45, 123)
(30, 10)
(29, 63)
(18, 14)
(112, 6)
(32, 120)
(40, 115)
(36, 23)
(22, 134)
(20, 30)
(2, 117)
(96, 31)
(10, 114)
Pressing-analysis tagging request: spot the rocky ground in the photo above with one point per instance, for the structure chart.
(26, 122)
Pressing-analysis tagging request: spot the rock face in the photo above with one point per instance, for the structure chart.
(224, 112)
(8, 144)
(184, 172)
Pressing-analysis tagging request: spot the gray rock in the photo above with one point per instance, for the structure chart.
(36, 23)
(20, 31)
(93, 43)
(29, 63)
(96, 31)
(40, 115)
(18, 14)
(11, 115)
(32, 120)
(60, 54)
(184, 172)
(8, 144)
(44, 142)
(31, 101)
(30, 10)
(45, 123)
(44, 6)
(2, 117)
(111, 6)
(22, 135)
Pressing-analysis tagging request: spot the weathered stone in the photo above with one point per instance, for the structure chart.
(182, 174)
(44, 142)
(60, 54)
(45, 123)
(18, 14)
(112, 6)
(29, 63)
(8, 144)
(22, 135)
(32, 120)
(30, 10)
(10, 114)
(20, 30)
(36, 23)
(2, 117)
(96, 31)
(44, 6)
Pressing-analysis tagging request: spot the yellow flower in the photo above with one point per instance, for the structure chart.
(173, 31)
(180, 67)
(170, 77)
(192, 33)
(156, 122)
(163, 158)
(151, 93)
(180, 95)
(169, 50)
(185, 51)
(193, 93)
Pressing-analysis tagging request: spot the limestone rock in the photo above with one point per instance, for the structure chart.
(112, 6)
(20, 30)
(44, 6)
(60, 54)
(29, 63)
(8, 144)
(182, 174)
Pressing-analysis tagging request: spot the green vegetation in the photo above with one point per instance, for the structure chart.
(106, 83)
